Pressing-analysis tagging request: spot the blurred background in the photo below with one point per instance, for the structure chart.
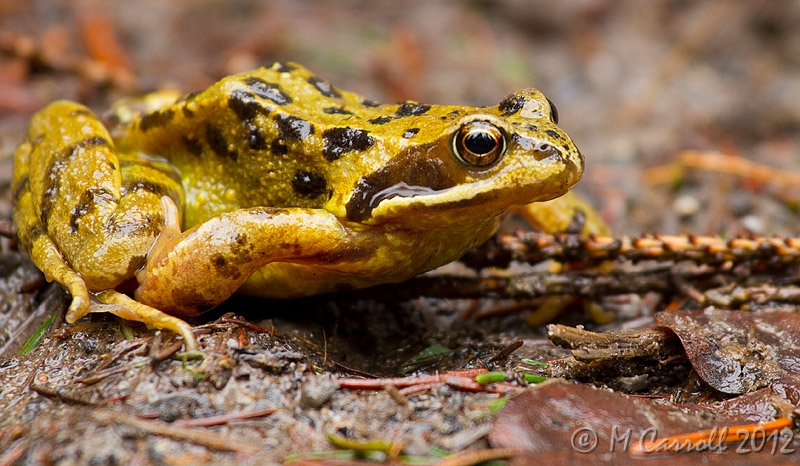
(670, 101)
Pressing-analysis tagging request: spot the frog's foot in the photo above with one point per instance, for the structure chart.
(123, 306)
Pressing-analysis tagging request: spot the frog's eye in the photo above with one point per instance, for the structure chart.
(479, 143)
(553, 111)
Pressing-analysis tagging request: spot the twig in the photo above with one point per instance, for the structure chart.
(533, 247)
(402, 382)
(505, 352)
(468, 384)
(223, 418)
(13, 454)
(206, 438)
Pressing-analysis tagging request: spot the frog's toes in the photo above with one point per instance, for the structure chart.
(79, 307)
(123, 306)
(80, 296)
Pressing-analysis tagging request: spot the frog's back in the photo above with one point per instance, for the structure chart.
(276, 136)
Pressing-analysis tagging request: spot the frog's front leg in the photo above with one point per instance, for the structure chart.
(558, 214)
(87, 218)
(201, 267)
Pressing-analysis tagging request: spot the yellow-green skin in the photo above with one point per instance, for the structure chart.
(284, 187)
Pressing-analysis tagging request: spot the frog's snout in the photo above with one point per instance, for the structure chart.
(547, 152)
(580, 165)
(564, 163)
(579, 161)
(573, 166)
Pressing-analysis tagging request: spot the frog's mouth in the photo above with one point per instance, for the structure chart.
(401, 189)
(516, 184)
(361, 206)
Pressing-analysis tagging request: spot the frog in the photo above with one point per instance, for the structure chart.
(273, 183)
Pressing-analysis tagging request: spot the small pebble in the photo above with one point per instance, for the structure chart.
(317, 391)
(686, 205)
(753, 224)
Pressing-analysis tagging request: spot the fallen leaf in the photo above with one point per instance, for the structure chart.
(579, 424)
(738, 352)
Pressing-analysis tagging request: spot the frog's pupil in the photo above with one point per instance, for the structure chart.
(480, 142)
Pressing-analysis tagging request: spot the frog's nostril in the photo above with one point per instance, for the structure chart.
(545, 150)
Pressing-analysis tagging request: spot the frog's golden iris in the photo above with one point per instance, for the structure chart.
(273, 182)
(479, 143)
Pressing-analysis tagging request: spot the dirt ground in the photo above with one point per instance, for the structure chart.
(668, 100)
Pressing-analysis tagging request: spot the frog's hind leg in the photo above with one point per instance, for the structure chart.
(123, 306)
(87, 218)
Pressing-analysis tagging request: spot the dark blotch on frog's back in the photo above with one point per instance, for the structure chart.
(413, 172)
(381, 120)
(156, 119)
(309, 184)
(337, 111)
(267, 90)
(255, 140)
(339, 141)
(412, 109)
(191, 96)
(48, 203)
(218, 144)
(511, 104)
(553, 134)
(188, 99)
(292, 128)
(278, 148)
(450, 116)
(410, 132)
(281, 67)
(192, 145)
(324, 87)
(185, 100)
(245, 105)
(370, 103)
